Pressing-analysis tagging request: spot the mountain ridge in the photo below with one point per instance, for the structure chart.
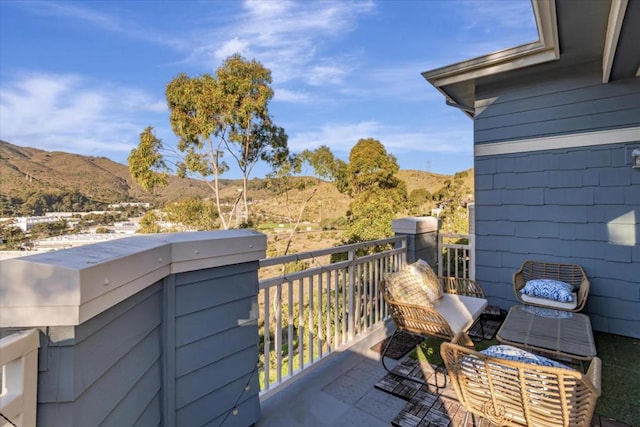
(26, 170)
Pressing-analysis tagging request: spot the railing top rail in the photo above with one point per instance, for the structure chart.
(455, 235)
(278, 280)
(456, 246)
(18, 344)
(321, 252)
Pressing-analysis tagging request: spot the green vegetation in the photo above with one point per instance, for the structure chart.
(379, 196)
(620, 372)
(193, 213)
(37, 203)
(12, 237)
(213, 116)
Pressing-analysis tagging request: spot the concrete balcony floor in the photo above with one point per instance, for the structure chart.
(339, 391)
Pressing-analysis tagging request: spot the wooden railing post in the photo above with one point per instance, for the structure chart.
(422, 237)
(440, 254)
(19, 363)
(351, 290)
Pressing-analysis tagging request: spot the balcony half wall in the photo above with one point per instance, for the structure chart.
(147, 330)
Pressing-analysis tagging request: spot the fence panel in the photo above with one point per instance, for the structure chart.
(341, 302)
(456, 255)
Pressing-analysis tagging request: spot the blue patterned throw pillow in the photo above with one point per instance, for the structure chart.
(549, 289)
(517, 354)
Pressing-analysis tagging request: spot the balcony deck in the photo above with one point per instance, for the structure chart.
(340, 391)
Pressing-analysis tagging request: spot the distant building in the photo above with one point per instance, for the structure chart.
(27, 222)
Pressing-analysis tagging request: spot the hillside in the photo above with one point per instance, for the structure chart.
(27, 170)
(431, 182)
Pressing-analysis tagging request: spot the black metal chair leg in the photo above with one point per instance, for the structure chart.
(436, 370)
(386, 347)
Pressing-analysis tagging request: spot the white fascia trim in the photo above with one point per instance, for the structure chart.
(614, 26)
(613, 136)
(544, 50)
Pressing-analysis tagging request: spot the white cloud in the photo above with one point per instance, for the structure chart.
(235, 45)
(514, 14)
(496, 24)
(130, 28)
(287, 37)
(341, 137)
(287, 95)
(70, 113)
(326, 74)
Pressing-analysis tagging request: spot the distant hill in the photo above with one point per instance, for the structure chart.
(431, 182)
(26, 170)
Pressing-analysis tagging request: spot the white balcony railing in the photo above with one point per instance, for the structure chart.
(321, 305)
(19, 363)
(456, 255)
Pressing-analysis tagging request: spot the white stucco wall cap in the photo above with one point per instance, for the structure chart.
(415, 225)
(68, 287)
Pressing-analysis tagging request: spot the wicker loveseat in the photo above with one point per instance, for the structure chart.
(516, 393)
(572, 274)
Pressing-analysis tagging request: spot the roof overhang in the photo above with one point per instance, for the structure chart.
(457, 81)
(614, 27)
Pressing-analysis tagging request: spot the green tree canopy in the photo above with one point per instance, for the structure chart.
(370, 176)
(217, 115)
(149, 223)
(194, 213)
(146, 163)
(325, 165)
(370, 166)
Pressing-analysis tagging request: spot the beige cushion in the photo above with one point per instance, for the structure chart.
(460, 311)
(551, 303)
(407, 287)
(430, 282)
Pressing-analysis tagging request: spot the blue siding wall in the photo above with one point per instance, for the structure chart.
(216, 338)
(106, 371)
(180, 352)
(574, 205)
(567, 101)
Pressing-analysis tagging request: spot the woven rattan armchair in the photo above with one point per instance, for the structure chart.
(513, 393)
(460, 306)
(572, 274)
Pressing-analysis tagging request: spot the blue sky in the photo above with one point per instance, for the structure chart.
(87, 77)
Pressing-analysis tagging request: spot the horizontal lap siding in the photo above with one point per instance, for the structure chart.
(109, 372)
(573, 205)
(563, 102)
(216, 343)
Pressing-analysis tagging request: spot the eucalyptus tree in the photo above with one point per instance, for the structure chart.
(217, 115)
(370, 178)
(146, 163)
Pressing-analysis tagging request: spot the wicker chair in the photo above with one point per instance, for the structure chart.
(512, 393)
(568, 273)
(462, 304)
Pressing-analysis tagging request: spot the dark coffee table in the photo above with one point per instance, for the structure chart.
(566, 336)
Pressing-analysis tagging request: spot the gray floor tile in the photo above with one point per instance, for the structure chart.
(381, 405)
